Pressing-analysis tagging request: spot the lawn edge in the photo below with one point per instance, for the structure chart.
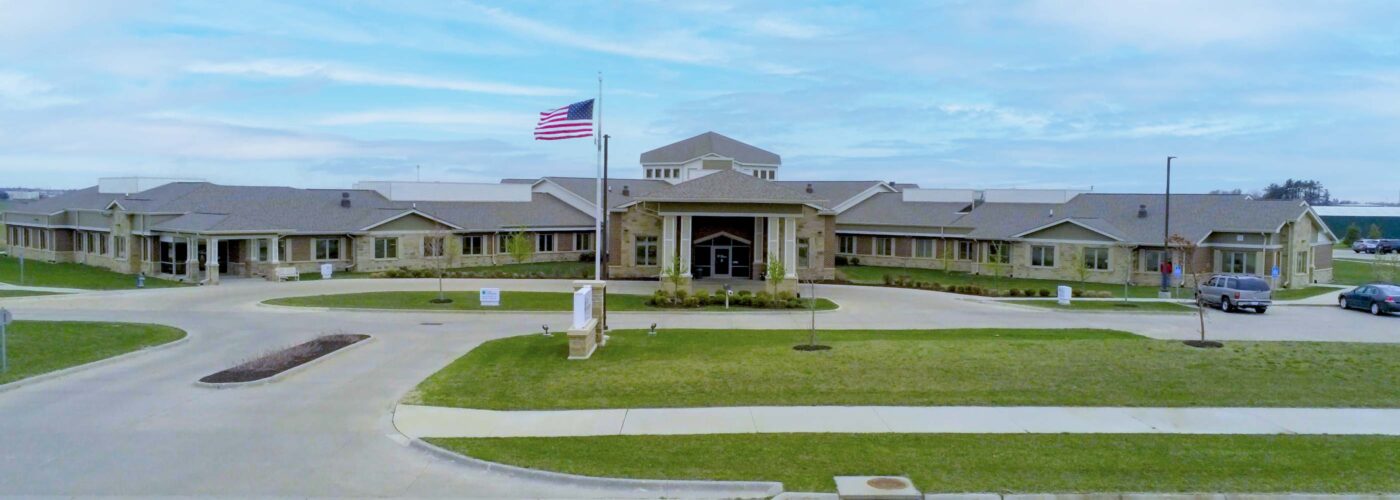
(99, 363)
(265, 303)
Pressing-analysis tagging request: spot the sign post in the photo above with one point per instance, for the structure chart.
(1178, 275)
(21, 264)
(4, 354)
(1274, 274)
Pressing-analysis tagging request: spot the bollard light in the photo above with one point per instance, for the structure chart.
(546, 330)
(652, 333)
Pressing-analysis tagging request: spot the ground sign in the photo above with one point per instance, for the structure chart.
(490, 297)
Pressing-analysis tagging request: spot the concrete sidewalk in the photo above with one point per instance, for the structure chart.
(430, 421)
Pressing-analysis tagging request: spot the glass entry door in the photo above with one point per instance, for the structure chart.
(722, 262)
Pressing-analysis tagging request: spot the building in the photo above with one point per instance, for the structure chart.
(1340, 217)
(710, 206)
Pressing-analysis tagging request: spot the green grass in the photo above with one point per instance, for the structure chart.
(38, 347)
(1353, 272)
(1109, 305)
(694, 368)
(23, 293)
(70, 275)
(563, 269)
(875, 275)
(1302, 293)
(471, 301)
(1018, 463)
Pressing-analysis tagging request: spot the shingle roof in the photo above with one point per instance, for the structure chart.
(710, 142)
(81, 199)
(586, 187)
(832, 193)
(731, 186)
(891, 209)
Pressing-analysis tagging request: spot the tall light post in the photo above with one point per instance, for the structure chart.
(1167, 234)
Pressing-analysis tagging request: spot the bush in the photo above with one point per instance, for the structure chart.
(717, 299)
(784, 296)
(937, 287)
(794, 303)
(691, 302)
(1044, 292)
(906, 280)
(1077, 293)
(974, 290)
(681, 294)
(889, 280)
(744, 293)
(586, 257)
(855, 261)
(841, 260)
(742, 299)
(1017, 293)
(703, 296)
(762, 299)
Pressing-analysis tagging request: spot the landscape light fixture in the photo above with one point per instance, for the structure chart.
(546, 330)
(652, 333)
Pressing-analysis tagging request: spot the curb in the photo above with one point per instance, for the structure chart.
(488, 311)
(95, 364)
(659, 488)
(278, 377)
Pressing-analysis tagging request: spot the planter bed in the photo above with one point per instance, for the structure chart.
(271, 364)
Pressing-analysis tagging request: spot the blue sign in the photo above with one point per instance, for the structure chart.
(1177, 271)
(1275, 270)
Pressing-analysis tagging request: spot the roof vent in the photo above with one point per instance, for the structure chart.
(1052, 212)
(809, 188)
(345, 200)
(625, 191)
(1142, 211)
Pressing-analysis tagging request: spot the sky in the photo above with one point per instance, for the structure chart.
(957, 94)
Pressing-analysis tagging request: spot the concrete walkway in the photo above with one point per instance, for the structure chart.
(432, 421)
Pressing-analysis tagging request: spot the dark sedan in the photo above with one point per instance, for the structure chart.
(1379, 298)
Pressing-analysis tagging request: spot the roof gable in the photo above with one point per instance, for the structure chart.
(731, 186)
(710, 143)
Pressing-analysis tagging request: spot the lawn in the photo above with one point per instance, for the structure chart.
(875, 275)
(69, 275)
(38, 347)
(1353, 272)
(1006, 367)
(1109, 305)
(1302, 293)
(548, 270)
(471, 301)
(22, 293)
(1018, 463)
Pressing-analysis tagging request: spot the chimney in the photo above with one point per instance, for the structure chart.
(345, 200)
(1142, 211)
(809, 188)
(625, 191)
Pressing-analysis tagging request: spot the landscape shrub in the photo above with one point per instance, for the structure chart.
(1017, 293)
(1077, 293)
(889, 279)
(762, 299)
(742, 299)
(855, 261)
(784, 296)
(681, 294)
(1044, 292)
(937, 287)
(974, 290)
(794, 303)
(841, 260)
(744, 293)
(586, 257)
(906, 280)
(692, 302)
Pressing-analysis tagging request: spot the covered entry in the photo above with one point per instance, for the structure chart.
(722, 255)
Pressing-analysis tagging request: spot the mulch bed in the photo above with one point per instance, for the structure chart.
(271, 364)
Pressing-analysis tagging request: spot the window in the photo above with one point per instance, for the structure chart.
(284, 249)
(502, 243)
(119, 247)
(804, 250)
(1152, 260)
(386, 248)
(1239, 262)
(544, 242)
(1042, 256)
(262, 250)
(583, 241)
(1301, 263)
(923, 248)
(328, 249)
(1096, 258)
(998, 253)
(101, 242)
(646, 250)
(432, 246)
(473, 245)
(964, 250)
(847, 244)
(884, 246)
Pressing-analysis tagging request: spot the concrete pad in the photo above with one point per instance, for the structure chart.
(688, 421)
(876, 488)
(817, 419)
(1054, 420)
(951, 419)
(1205, 421)
(1332, 420)
(427, 421)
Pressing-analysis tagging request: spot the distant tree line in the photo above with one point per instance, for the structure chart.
(1311, 191)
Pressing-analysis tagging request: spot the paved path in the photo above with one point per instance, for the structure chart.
(432, 421)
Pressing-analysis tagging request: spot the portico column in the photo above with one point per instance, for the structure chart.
(274, 247)
(211, 260)
(685, 246)
(192, 258)
(771, 250)
(668, 243)
(790, 247)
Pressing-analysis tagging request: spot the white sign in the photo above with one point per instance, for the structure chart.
(490, 297)
(583, 306)
(326, 271)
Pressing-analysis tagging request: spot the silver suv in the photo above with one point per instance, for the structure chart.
(1231, 292)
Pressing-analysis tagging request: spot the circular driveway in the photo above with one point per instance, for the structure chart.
(140, 427)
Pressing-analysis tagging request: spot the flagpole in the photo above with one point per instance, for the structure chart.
(598, 200)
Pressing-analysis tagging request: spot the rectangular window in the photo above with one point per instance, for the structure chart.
(473, 245)
(262, 250)
(923, 248)
(1240, 262)
(848, 244)
(101, 242)
(328, 249)
(432, 246)
(544, 242)
(998, 253)
(119, 247)
(284, 249)
(884, 246)
(583, 241)
(804, 250)
(386, 248)
(646, 250)
(1152, 260)
(1096, 258)
(502, 243)
(964, 250)
(1301, 262)
(1042, 256)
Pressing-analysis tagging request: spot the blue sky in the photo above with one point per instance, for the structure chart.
(945, 94)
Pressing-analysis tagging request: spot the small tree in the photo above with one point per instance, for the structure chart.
(1374, 232)
(1353, 234)
(519, 246)
(1081, 268)
(997, 261)
(436, 243)
(673, 273)
(1188, 252)
(947, 256)
(777, 272)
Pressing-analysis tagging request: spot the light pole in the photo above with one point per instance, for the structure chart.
(1167, 235)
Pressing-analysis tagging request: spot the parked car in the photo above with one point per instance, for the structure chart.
(1364, 246)
(1379, 298)
(1387, 246)
(1231, 292)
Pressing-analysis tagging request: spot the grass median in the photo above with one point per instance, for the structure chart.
(510, 301)
(70, 275)
(38, 347)
(1012, 463)
(1003, 367)
(875, 275)
(4, 294)
(1109, 306)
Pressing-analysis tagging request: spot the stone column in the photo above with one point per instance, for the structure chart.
(790, 247)
(211, 261)
(685, 246)
(668, 244)
(771, 249)
(192, 259)
(586, 338)
(274, 246)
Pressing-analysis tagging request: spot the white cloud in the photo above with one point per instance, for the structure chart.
(430, 117)
(1165, 24)
(278, 68)
(672, 45)
(21, 91)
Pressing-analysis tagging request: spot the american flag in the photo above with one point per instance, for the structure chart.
(568, 122)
